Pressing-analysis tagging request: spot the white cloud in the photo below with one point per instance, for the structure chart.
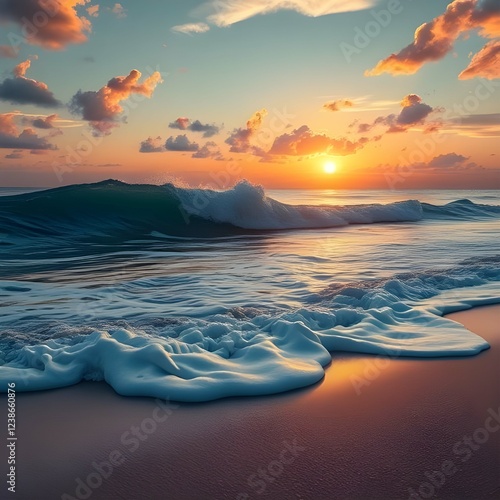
(224, 13)
(190, 28)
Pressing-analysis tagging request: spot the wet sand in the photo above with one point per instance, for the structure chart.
(372, 429)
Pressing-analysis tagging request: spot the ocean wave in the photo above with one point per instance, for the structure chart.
(460, 209)
(247, 206)
(112, 209)
(238, 353)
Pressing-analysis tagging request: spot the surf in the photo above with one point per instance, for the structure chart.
(253, 351)
(114, 209)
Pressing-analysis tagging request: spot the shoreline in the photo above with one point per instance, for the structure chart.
(372, 428)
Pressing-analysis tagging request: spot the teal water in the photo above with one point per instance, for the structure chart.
(194, 294)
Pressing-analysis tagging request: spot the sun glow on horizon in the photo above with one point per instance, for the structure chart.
(329, 167)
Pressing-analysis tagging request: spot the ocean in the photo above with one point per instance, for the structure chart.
(194, 294)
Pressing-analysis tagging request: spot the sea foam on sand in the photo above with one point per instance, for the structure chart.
(205, 360)
(387, 440)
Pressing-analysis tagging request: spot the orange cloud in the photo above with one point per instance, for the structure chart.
(102, 108)
(304, 142)
(21, 68)
(338, 105)
(93, 10)
(10, 138)
(435, 39)
(240, 139)
(255, 121)
(7, 125)
(485, 64)
(61, 23)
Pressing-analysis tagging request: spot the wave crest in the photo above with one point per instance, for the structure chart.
(113, 208)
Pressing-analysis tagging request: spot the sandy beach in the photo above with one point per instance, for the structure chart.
(229, 232)
(372, 429)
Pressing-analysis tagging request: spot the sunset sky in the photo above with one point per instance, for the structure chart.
(397, 94)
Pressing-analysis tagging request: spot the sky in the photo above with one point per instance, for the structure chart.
(320, 94)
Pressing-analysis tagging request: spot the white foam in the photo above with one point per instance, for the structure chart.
(229, 357)
(247, 206)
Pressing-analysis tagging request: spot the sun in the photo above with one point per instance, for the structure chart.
(329, 167)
